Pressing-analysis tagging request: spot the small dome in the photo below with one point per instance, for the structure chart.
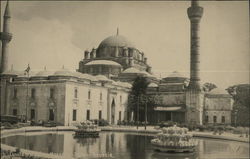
(122, 84)
(44, 73)
(12, 72)
(148, 74)
(64, 72)
(176, 74)
(102, 78)
(152, 85)
(103, 62)
(132, 70)
(116, 40)
(218, 91)
(87, 76)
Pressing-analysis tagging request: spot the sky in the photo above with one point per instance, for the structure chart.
(56, 34)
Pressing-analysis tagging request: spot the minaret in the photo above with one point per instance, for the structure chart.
(5, 37)
(194, 95)
(195, 13)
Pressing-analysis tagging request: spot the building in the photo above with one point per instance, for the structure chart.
(66, 97)
(218, 107)
(116, 58)
(172, 104)
(100, 87)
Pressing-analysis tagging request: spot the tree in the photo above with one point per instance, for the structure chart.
(207, 87)
(241, 96)
(137, 96)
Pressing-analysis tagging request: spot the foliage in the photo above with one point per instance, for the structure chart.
(100, 122)
(241, 95)
(207, 87)
(166, 124)
(138, 95)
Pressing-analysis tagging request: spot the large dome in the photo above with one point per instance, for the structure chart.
(116, 40)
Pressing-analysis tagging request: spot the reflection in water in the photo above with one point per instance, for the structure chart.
(120, 146)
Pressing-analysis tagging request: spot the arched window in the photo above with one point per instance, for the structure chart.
(33, 93)
(101, 96)
(76, 93)
(215, 119)
(223, 119)
(52, 91)
(89, 94)
(15, 93)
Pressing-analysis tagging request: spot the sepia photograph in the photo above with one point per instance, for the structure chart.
(166, 79)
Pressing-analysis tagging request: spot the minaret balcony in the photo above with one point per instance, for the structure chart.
(4, 36)
(195, 13)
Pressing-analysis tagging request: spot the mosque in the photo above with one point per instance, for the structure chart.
(99, 88)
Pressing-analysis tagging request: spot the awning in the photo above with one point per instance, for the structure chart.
(168, 109)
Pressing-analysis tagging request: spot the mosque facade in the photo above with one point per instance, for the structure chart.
(100, 87)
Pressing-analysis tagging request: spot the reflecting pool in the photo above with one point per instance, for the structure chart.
(119, 145)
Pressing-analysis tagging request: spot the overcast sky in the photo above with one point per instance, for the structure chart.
(54, 34)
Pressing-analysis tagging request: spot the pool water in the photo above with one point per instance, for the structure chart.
(118, 145)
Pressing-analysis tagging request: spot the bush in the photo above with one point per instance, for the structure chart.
(201, 127)
(182, 125)
(229, 128)
(7, 125)
(50, 124)
(210, 127)
(191, 127)
(119, 122)
(100, 122)
(167, 124)
(238, 130)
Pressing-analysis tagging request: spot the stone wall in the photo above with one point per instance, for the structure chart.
(40, 102)
(218, 106)
(68, 95)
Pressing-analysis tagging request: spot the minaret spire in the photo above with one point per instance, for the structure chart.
(5, 37)
(7, 10)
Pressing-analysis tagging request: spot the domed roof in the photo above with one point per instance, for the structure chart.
(218, 91)
(116, 40)
(176, 74)
(152, 85)
(64, 72)
(148, 74)
(103, 62)
(132, 70)
(44, 73)
(12, 72)
(102, 78)
(122, 84)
